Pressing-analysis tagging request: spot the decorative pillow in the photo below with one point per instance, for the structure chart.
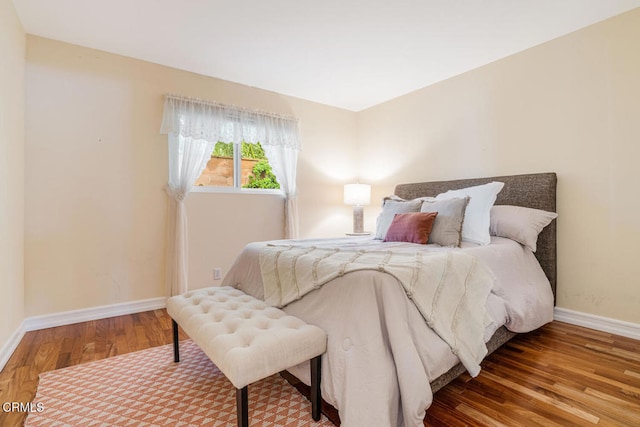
(447, 227)
(475, 228)
(519, 223)
(390, 207)
(411, 227)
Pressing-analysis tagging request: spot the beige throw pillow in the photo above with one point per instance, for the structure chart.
(447, 228)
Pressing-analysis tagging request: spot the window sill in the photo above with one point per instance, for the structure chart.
(233, 190)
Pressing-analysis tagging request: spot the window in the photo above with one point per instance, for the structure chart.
(249, 169)
(194, 128)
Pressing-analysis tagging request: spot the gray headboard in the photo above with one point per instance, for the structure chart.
(533, 191)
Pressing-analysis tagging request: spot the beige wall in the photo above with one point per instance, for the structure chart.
(571, 106)
(12, 52)
(96, 167)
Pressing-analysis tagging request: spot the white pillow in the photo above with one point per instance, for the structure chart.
(519, 223)
(477, 217)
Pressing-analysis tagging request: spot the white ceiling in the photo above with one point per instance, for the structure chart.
(351, 54)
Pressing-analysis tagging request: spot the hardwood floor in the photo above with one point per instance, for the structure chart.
(559, 375)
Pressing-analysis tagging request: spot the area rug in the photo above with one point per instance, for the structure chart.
(146, 388)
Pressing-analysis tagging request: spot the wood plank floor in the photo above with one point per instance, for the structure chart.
(557, 376)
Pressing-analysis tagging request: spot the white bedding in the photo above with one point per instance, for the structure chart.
(381, 355)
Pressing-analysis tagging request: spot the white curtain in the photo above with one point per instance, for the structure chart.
(193, 127)
(187, 159)
(284, 162)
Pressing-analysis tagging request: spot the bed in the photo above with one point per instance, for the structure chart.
(383, 362)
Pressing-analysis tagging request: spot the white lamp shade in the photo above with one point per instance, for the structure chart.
(357, 194)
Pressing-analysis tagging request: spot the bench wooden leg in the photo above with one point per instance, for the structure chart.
(316, 396)
(242, 407)
(176, 343)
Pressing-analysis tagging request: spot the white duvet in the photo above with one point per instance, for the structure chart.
(381, 355)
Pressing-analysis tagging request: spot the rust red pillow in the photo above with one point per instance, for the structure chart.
(413, 227)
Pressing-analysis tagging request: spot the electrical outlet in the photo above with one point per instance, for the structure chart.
(217, 274)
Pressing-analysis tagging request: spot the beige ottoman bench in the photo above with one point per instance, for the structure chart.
(247, 339)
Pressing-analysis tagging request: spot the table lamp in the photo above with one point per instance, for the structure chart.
(357, 195)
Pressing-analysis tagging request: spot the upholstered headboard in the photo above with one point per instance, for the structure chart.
(533, 191)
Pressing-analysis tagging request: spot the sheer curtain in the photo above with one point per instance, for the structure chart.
(188, 157)
(284, 162)
(193, 127)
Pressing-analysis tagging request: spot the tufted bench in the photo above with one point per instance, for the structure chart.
(247, 339)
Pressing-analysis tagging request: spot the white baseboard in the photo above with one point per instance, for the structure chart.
(85, 314)
(34, 323)
(605, 324)
(10, 346)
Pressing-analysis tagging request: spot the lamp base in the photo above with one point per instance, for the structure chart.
(358, 219)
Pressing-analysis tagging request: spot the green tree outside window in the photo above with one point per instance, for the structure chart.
(262, 175)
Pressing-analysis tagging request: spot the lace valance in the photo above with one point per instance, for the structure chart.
(211, 121)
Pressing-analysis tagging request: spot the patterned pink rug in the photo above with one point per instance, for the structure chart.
(146, 388)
